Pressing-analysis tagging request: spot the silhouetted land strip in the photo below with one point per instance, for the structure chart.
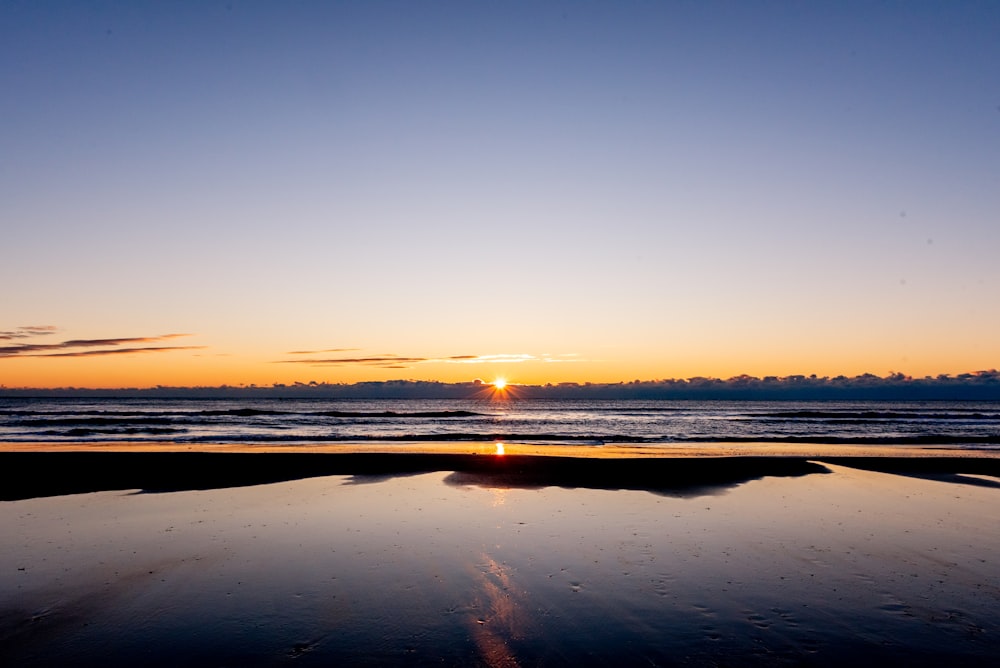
(947, 469)
(35, 474)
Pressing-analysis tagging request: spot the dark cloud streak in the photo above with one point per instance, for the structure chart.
(68, 348)
(28, 332)
(85, 343)
(387, 359)
(377, 361)
(118, 351)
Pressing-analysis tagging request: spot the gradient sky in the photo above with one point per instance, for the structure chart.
(602, 191)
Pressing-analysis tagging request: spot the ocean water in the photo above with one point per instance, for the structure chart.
(584, 423)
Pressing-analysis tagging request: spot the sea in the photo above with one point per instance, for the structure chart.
(973, 425)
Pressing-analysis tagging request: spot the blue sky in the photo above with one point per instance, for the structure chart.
(609, 190)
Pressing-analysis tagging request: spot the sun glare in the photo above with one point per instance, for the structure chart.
(498, 390)
(500, 449)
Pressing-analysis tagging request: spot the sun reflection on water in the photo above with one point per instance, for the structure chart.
(500, 616)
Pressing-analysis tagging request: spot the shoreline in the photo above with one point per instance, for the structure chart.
(605, 451)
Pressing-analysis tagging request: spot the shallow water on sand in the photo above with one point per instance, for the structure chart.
(434, 568)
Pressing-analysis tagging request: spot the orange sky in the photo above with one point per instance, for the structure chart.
(194, 360)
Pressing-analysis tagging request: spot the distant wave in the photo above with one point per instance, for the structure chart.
(51, 413)
(915, 439)
(442, 438)
(404, 415)
(80, 432)
(859, 416)
(51, 416)
(95, 421)
(253, 412)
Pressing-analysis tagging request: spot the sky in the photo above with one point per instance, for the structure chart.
(206, 193)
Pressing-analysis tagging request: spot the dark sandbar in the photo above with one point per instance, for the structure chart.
(35, 474)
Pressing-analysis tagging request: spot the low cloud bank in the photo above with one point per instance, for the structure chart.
(974, 386)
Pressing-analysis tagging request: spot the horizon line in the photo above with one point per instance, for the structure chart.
(742, 381)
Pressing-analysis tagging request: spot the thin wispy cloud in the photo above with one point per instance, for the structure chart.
(392, 361)
(508, 358)
(504, 358)
(388, 361)
(28, 332)
(72, 347)
(120, 351)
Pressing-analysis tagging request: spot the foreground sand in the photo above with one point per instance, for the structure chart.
(502, 561)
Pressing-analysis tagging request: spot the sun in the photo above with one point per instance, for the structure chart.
(499, 390)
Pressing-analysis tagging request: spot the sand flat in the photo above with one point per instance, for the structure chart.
(822, 568)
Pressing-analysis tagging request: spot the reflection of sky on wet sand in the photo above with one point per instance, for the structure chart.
(503, 616)
(414, 570)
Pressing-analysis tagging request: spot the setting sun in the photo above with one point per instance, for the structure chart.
(500, 383)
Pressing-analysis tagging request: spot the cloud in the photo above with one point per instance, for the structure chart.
(322, 352)
(388, 361)
(118, 351)
(83, 343)
(509, 358)
(27, 332)
(505, 358)
(392, 361)
(70, 348)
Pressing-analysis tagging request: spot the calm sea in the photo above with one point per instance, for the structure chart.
(584, 423)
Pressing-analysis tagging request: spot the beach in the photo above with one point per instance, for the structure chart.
(482, 559)
(494, 334)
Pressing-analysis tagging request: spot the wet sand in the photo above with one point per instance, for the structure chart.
(470, 559)
(606, 451)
